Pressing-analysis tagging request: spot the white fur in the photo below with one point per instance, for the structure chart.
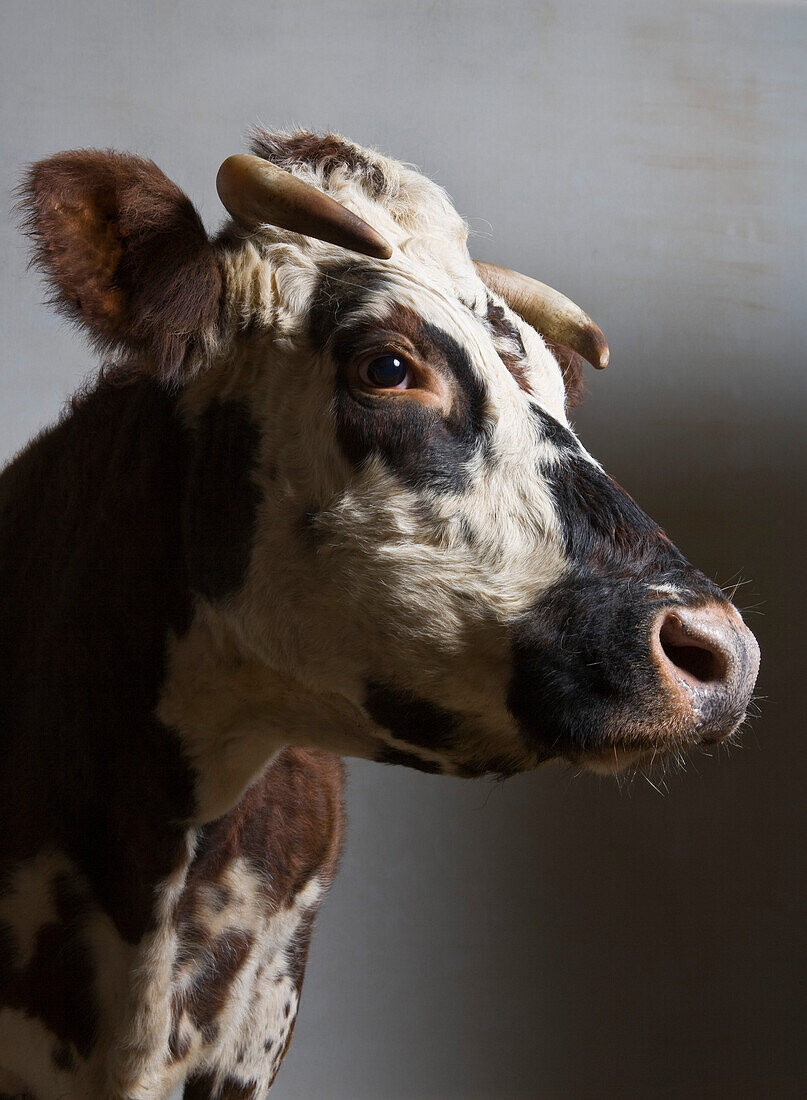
(389, 595)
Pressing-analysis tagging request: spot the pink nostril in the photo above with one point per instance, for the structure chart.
(710, 659)
(708, 648)
(700, 657)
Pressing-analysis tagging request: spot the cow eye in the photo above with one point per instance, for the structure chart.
(387, 372)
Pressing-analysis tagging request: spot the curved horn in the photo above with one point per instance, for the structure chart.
(258, 193)
(548, 311)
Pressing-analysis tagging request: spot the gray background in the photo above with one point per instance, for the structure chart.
(552, 936)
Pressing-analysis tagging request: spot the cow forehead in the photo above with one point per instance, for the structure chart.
(397, 200)
(430, 273)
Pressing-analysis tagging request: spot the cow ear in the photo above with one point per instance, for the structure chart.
(126, 256)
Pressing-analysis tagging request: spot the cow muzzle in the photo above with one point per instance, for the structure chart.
(708, 661)
(606, 676)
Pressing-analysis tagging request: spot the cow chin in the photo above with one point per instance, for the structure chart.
(622, 754)
(681, 717)
(614, 761)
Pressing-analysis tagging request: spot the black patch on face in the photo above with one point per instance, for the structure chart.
(221, 502)
(580, 662)
(582, 668)
(502, 327)
(554, 432)
(604, 530)
(410, 718)
(342, 292)
(513, 353)
(424, 446)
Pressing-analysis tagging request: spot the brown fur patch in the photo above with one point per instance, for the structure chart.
(219, 959)
(288, 827)
(325, 151)
(92, 572)
(573, 367)
(203, 1086)
(125, 254)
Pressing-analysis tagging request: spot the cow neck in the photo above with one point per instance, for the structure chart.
(83, 639)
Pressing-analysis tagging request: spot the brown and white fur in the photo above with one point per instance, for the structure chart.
(236, 559)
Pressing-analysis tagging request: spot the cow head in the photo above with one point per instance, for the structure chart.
(389, 517)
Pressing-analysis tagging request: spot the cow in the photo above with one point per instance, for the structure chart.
(322, 500)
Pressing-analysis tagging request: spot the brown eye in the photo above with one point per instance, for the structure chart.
(387, 372)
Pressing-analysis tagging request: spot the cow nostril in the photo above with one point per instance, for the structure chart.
(709, 658)
(700, 661)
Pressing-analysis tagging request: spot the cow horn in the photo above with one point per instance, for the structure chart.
(548, 311)
(258, 193)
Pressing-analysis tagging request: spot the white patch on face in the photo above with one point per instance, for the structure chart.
(393, 592)
(409, 600)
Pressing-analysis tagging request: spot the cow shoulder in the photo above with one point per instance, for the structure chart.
(243, 924)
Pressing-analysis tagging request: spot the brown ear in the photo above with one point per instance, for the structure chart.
(126, 254)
